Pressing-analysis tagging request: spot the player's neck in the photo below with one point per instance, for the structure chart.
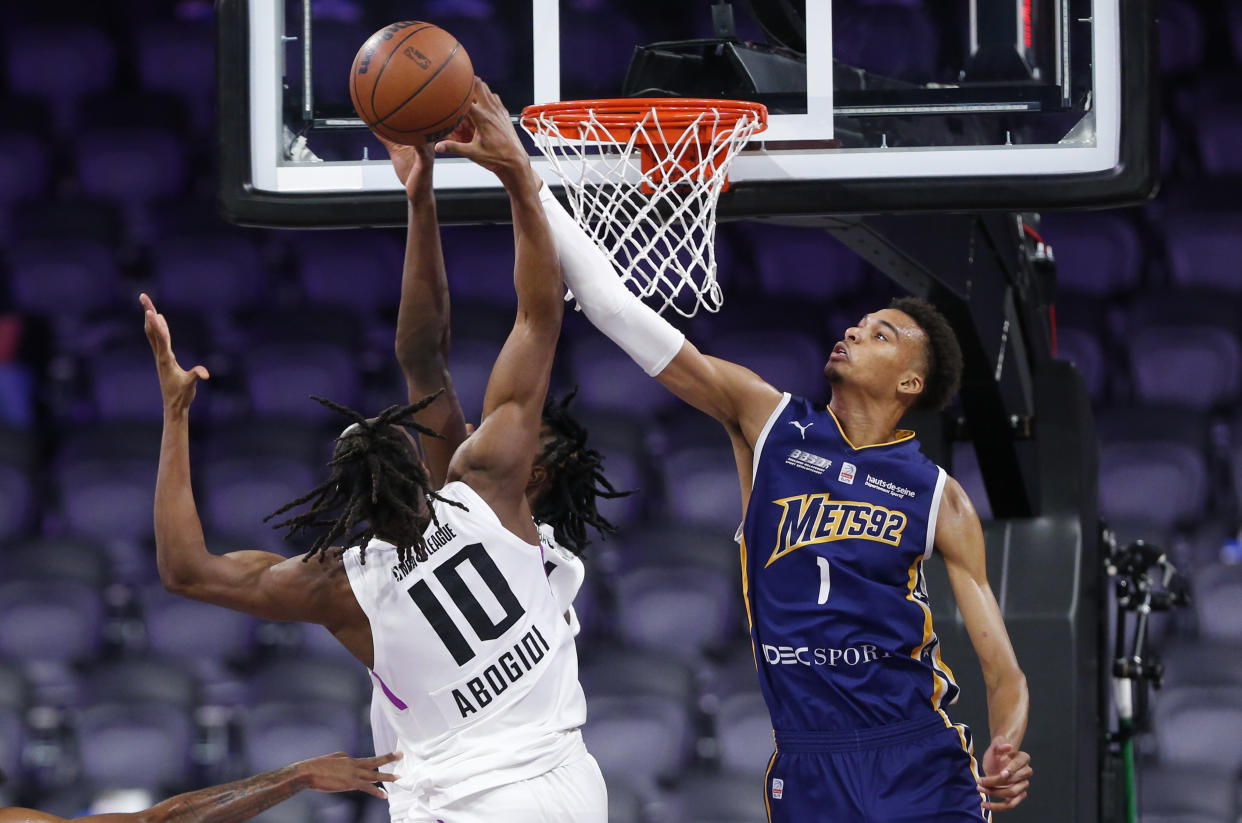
(865, 422)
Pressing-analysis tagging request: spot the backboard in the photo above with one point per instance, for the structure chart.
(875, 107)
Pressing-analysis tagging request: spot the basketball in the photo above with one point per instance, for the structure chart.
(411, 82)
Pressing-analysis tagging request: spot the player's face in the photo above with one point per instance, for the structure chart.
(884, 349)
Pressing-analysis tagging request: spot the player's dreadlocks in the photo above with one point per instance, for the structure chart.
(376, 479)
(575, 479)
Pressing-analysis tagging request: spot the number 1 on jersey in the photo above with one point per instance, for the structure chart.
(825, 580)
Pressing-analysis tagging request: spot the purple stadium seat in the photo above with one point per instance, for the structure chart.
(276, 734)
(130, 165)
(179, 57)
(729, 797)
(643, 736)
(16, 396)
(701, 486)
(1220, 131)
(182, 629)
(63, 278)
(1204, 250)
(241, 491)
(966, 471)
(1200, 725)
(1097, 254)
(804, 263)
(1205, 662)
(281, 378)
(16, 501)
(1194, 367)
(206, 274)
(1181, 37)
(24, 166)
(107, 499)
(134, 745)
(59, 64)
(141, 680)
(311, 680)
(1218, 603)
(56, 558)
(42, 620)
(744, 730)
(1081, 348)
(790, 361)
(479, 263)
(124, 385)
(864, 37)
(608, 379)
(682, 610)
(596, 51)
(321, 643)
(360, 271)
(1186, 794)
(1163, 483)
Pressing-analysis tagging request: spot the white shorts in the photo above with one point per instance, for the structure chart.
(572, 793)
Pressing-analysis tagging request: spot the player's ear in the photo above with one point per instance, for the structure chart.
(538, 477)
(910, 386)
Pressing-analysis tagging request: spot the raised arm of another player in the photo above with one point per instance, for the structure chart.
(959, 539)
(264, 584)
(243, 799)
(734, 395)
(496, 460)
(422, 340)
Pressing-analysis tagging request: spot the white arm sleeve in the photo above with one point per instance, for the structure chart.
(650, 340)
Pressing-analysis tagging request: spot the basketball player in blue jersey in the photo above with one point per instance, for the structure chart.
(440, 593)
(241, 799)
(841, 509)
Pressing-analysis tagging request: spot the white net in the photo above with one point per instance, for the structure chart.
(653, 216)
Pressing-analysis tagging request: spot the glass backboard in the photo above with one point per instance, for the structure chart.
(874, 107)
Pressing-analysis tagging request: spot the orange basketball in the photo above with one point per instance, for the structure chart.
(412, 82)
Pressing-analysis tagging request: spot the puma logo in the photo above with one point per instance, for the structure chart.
(801, 428)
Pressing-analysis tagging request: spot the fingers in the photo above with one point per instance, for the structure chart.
(995, 806)
(379, 760)
(200, 372)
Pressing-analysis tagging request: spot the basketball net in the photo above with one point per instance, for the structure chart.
(643, 177)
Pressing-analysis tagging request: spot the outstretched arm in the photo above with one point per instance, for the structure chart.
(959, 538)
(243, 799)
(496, 461)
(737, 397)
(422, 341)
(264, 584)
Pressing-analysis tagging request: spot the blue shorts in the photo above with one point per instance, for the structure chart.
(920, 770)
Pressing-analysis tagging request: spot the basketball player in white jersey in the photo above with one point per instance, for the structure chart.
(443, 595)
(567, 476)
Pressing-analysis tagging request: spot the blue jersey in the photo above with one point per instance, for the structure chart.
(832, 555)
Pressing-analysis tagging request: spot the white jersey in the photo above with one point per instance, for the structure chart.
(565, 573)
(473, 658)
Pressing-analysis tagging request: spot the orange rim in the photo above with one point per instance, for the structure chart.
(619, 116)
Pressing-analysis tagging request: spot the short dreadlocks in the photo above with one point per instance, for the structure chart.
(575, 479)
(376, 479)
